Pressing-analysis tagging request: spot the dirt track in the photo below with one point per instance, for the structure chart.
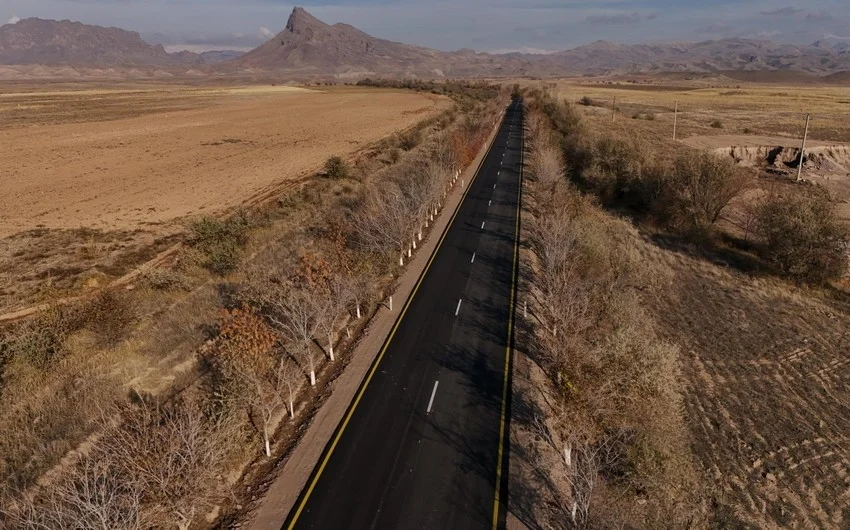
(149, 167)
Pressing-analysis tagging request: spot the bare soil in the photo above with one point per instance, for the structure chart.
(767, 399)
(129, 172)
(98, 180)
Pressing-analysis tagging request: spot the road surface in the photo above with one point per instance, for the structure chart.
(421, 445)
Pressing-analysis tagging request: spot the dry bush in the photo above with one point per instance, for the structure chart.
(615, 423)
(172, 454)
(166, 279)
(336, 168)
(220, 241)
(803, 237)
(94, 494)
(110, 315)
(45, 415)
(702, 186)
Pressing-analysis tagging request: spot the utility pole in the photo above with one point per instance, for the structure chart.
(675, 118)
(803, 149)
(614, 110)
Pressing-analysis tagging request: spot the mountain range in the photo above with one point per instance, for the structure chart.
(307, 46)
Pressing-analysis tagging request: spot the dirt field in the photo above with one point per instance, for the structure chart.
(768, 110)
(169, 160)
(767, 397)
(96, 181)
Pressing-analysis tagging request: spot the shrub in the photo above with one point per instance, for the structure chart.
(717, 124)
(220, 241)
(336, 168)
(747, 130)
(803, 237)
(586, 101)
(410, 139)
(109, 315)
(703, 185)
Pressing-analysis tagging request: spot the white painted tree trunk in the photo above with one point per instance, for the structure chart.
(266, 438)
(401, 260)
(358, 309)
(418, 236)
(312, 377)
(568, 454)
(331, 346)
(347, 332)
(291, 407)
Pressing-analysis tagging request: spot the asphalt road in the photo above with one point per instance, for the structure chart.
(421, 448)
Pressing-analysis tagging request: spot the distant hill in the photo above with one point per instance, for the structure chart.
(218, 56)
(52, 42)
(307, 44)
(308, 47)
(708, 56)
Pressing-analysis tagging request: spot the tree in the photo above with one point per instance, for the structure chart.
(170, 453)
(333, 299)
(295, 313)
(384, 222)
(803, 237)
(93, 494)
(704, 185)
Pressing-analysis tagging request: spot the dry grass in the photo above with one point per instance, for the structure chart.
(773, 110)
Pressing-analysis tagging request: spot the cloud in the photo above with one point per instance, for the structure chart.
(717, 27)
(819, 16)
(618, 19)
(14, 20)
(265, 33)
(781, 11)
(768, 34)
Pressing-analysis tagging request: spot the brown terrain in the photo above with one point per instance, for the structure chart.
(97, 180)
(763, 360)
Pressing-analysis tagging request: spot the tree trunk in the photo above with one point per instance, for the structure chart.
(358, 309)
(331, 345)
(312, 377)
(401, 259)
(291, 406)
(266, 438)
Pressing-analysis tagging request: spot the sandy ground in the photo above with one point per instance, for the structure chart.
(177, 153)
(745, 140)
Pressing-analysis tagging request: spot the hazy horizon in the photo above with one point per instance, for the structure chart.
(539, 26)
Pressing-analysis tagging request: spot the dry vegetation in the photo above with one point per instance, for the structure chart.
(98, 181)
(764, 379)
(609, 445)
(181, 385)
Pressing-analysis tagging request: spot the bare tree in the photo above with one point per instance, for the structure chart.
(290, 378)
(170, 453)
(295, 312)
(547, 165)
(384, 222)
(333, 298)
(93, 494)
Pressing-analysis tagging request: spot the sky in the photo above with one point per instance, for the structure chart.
(536, 26)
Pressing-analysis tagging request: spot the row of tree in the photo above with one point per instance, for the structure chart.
(611, 430)
(164, 464)
(688, 191)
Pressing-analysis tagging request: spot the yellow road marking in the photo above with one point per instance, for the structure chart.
(374, 368)
(508, 352)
